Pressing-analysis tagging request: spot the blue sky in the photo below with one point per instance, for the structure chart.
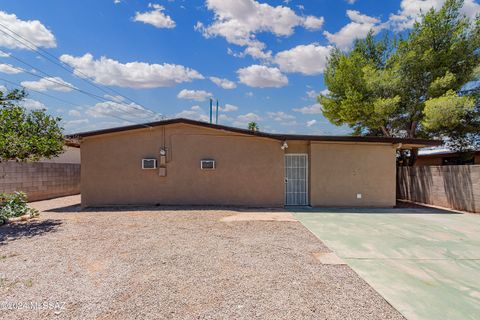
(263, 60)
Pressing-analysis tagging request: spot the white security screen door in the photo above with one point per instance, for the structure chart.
(296, 190)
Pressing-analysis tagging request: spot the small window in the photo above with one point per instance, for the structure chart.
(149, 163)
(207, 164)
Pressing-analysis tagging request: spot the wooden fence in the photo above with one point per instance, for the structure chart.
(456, 187)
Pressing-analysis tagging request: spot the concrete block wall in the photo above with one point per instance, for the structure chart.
(40, 180)
(456, 187)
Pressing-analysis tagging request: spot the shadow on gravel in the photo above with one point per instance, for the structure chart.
(32, 228)
(78, 208)
(72, 208)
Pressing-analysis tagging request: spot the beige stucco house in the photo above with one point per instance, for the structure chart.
(186, 162)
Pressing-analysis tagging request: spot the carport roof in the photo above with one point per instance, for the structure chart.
(406, 142)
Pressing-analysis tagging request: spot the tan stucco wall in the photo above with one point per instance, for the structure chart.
(340, 171)
(249, 170)
(298, 147)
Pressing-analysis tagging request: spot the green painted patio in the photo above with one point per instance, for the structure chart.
(424, 262)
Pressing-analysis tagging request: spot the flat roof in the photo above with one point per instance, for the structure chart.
(280, 137)
(441, 153)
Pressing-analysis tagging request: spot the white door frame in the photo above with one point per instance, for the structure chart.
(307, 200)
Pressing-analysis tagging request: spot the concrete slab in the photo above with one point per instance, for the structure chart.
(328, 258)
(425, 262)
(260, 216)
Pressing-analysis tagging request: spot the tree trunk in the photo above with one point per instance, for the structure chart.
(413, 152)
(413, 157)
(413, 129)
(385, 131)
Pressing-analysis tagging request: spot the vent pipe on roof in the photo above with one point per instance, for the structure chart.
(211, 106)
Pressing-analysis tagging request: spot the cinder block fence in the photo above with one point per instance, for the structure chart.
(40, 180)
(456, 187)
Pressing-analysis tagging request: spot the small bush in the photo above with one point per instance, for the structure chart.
(14, 205)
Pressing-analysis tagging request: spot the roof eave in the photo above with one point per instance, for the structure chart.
(405, 142)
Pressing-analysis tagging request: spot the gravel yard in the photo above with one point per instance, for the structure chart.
(163, 263)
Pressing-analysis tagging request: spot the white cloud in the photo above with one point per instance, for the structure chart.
(249, 117)
(411, 10)
(74, 113)
(471, 9)
(257, 53)
(224, 117)
(244, 119)
(132, 74)
(307, 59)
(262, 76)
(289, 123)
(228, 108)
(312, 94)
(196, 108)
(311, 109)
(33, 104)
(117, 1)
(194, 113)
(72, 124)
(238, 21)
(7, 68)
(197, 95)
(156, 17)
(3, 88)
(358, 28)
(249, 94)
(313, 23)
(351, 1)
(311, 122)
(223, 83)
(4, 54)
(48, 83)
(115, 98)
(132, 111)
(280, 116)
(32, 30)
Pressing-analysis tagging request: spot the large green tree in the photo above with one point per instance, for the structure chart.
(27, 135)
(412, 86)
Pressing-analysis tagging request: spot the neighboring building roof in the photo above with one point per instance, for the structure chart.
(72, 143)
(433, 151)
(439, 152)
(405, 141)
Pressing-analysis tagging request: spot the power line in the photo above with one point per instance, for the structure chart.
(66, 67)
(50, 78)
(39, 92)
(71, 103)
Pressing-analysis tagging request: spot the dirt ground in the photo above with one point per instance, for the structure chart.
(174, 263)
